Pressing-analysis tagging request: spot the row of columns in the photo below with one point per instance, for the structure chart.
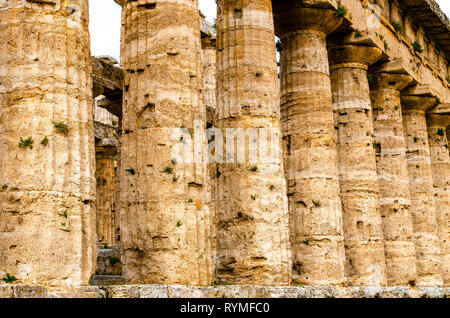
(360, 196)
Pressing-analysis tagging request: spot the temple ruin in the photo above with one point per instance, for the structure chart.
(107, 183)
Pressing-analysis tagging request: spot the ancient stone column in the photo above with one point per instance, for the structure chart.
(423, 207)
(252, 208)
(393, 180)
(165, 218)
(440, 163)
(47, 167)
(106, 194)
(309, 145)
(363, 229)
(209, 71)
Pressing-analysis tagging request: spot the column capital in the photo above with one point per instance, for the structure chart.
(396, 82)
(418, 98)
(438, 120)
(293, 17)
(357, 56)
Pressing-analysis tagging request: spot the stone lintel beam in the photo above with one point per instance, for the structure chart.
(440, 109)
(391, 67)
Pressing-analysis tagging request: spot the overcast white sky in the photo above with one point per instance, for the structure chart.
(105, 23)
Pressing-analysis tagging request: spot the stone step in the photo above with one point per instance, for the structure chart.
(107, 280)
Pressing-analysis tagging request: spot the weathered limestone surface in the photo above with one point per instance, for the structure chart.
(47, 211)
(393, 181)
(252, 208)
(309, 144)
(363, 230)
(165, 218)
(440, 164)
(423, 207)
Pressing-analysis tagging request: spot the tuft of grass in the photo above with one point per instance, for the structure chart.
(9, 278)
(398, 27)
(441, 132)
(44, 141)
(190, 200)
(271, 187)
(341, 11)
(417, 47)
(358, 34)
(64, 214)
(306, 242)
(316, 203)
(253, 197)
(369, 77)
(254, 168)
(179, 223)
(106, 247)
(175, 178)
(26, 143)
(114, 260)
(61, 127)
(131, 170)
(168, 170)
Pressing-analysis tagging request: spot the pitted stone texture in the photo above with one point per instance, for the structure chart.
(108, 260)
(393, 181)
(47, 215)
(309, 147)
(33, 291)
(363, 230)
(165, 228)
(423, 206)
(252, 209)
(440, 164)
(107, 280)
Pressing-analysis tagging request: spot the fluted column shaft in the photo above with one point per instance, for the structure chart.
(440, 165)
(423, 206)
(106, 194)
(165, 218)
(393, 180)
(363, 230)
(252, 212)
(209, 73)
(310, 148)
(47, 184)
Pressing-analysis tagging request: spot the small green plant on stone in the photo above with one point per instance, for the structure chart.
(63, 223)
(369, 77)
(254, 168)
(26, 143)
(64, 214)
(341, 11)
(131, 170)
(179, 223)
(316, 203)
(253, 197)
(306, 242)
(417, 47)
(44, 141)
(416, 139)
(358, 34)
(175, 178)
(190, 200)
(271, 187)
(9, 278)
(106, 247)
(114, 260)
(168, 170)
(386, 45)
(61, 127)
(441, 132)
(398, 27)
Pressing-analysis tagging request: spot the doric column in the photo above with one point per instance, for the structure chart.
(252, 209)
(393, 180)
(209, 71)
(309, 145)
(423, 206)
(47, 155)
(440, 164)
(363, 230)
(165, 218)
(106, 194)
